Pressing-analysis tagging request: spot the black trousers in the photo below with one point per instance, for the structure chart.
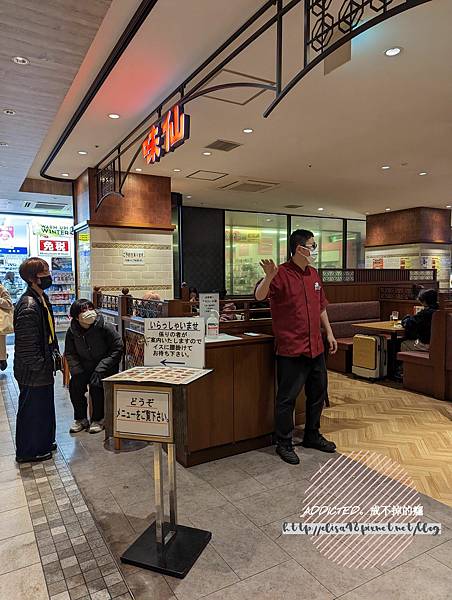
(293, 374)
(78, 386)
(35, 425)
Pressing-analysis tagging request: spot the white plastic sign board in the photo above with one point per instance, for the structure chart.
(208, 303)
(133, 256)
(174, 342)
(143, 413)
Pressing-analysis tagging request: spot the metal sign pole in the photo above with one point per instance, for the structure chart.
(159, 506)
(172, 485)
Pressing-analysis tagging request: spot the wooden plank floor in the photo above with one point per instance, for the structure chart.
(412, 429)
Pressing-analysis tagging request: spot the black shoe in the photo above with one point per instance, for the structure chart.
(53, 447)
(319, 443)
(39, 458)
(287, 454)
(3, 365)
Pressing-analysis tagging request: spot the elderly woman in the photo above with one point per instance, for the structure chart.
(35, 356)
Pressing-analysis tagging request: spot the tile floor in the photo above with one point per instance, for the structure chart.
(64, 524)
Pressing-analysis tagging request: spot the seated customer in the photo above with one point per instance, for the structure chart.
(151, 295)
(418, 327)
(93, 351)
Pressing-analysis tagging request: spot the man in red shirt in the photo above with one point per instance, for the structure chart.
(298, 307)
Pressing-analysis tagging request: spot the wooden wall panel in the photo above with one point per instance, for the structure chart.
(146, 203)
(412, 226)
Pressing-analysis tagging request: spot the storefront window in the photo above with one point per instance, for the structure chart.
(249, 238)
(328, 235)
(50, 238)
(356, 240)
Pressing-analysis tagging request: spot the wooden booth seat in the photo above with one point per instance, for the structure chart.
(430, 373)
(342, 315)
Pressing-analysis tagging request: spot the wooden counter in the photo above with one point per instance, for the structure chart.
(232, 409)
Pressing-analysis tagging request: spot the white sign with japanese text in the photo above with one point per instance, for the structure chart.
(133, 256)
(174, 342)
(208, 303)
(143, 413)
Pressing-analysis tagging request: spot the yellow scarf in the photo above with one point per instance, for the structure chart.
(49, 317)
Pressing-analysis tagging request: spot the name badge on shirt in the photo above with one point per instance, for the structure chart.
(317, 286)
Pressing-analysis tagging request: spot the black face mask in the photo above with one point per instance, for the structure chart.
(45, 282)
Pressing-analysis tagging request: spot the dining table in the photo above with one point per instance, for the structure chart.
(396, 332)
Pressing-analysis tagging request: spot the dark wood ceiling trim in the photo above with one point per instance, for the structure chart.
(127, 36)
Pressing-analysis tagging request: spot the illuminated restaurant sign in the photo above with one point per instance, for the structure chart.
(166, 135)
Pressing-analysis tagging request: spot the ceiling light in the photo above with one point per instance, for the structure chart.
(188, 196)
(422, 173)
(387, 209)
(176, 170)
(9, 111)
(3, 144)
(448, 206)
(385, 167)
(207, 153)
(248, 130)
(20, 60)
(138, 170)
(113, 116)
(82, 152)
(393, 51)
(64, 174)
(268, 220)
(320, 209)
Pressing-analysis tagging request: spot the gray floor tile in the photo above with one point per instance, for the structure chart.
(288, 581)
(12, 497)
(146, 584)
(24, 584)
(17, 552)
(244, 547)
(423, 578)
(443, 553)
(15, 522)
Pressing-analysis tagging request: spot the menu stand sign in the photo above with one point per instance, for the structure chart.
(142, 400)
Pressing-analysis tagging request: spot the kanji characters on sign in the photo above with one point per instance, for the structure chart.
(166, 135)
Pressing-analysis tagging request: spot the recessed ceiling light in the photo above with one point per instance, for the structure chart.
(320, 209)
(82, 152)
(393, 51)
(113, 116)
(9, 111)
(207, 153)
(385, 167)
(367, 213)
(268, 220)
(138, 170)
(64, 174)
(188, 196)
(248, 130)
(387, 209)
(3, 144)
(20, 60)
(448, 206)
(422, 173)
(176, 170)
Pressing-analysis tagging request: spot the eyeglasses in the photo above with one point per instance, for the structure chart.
(313, 246)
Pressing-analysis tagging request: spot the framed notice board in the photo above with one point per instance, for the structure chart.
(143, 413)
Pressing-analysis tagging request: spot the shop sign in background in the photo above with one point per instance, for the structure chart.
(54, 246)
(174, 342)
(133, 256)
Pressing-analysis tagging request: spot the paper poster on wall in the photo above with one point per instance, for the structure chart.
(405, 262)
(60, 246)
(133, 256)
(207, 304)
(377, 263)
(144, 413)
(174, 342)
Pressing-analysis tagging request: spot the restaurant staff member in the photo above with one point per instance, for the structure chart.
(298, 307)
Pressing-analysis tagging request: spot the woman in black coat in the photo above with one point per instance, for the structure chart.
(93, 351)
(35, 348)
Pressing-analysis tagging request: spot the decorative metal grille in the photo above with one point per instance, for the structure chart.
(337, 276)
(107, 180)
(108, 302)
(423, 275)
(147, 309)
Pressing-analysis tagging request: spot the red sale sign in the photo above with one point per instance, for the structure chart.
(58, 246)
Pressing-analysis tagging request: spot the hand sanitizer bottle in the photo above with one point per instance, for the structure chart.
(212, 324)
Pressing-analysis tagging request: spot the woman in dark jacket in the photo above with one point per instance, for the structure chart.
(35, 348)
(93, 351)
(418, 327)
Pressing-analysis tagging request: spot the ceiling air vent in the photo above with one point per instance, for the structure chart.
(48, 206)
(223, 145)
(293, 206)
(249, 186)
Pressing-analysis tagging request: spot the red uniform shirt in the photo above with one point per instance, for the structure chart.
(297, 299)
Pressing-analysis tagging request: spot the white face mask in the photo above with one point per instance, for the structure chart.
(87, 318)
(313, 256)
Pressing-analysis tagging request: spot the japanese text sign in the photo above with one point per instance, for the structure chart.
(57, 246)
(208, 303)
(143, 413)
(166, 135)
(174, 342)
